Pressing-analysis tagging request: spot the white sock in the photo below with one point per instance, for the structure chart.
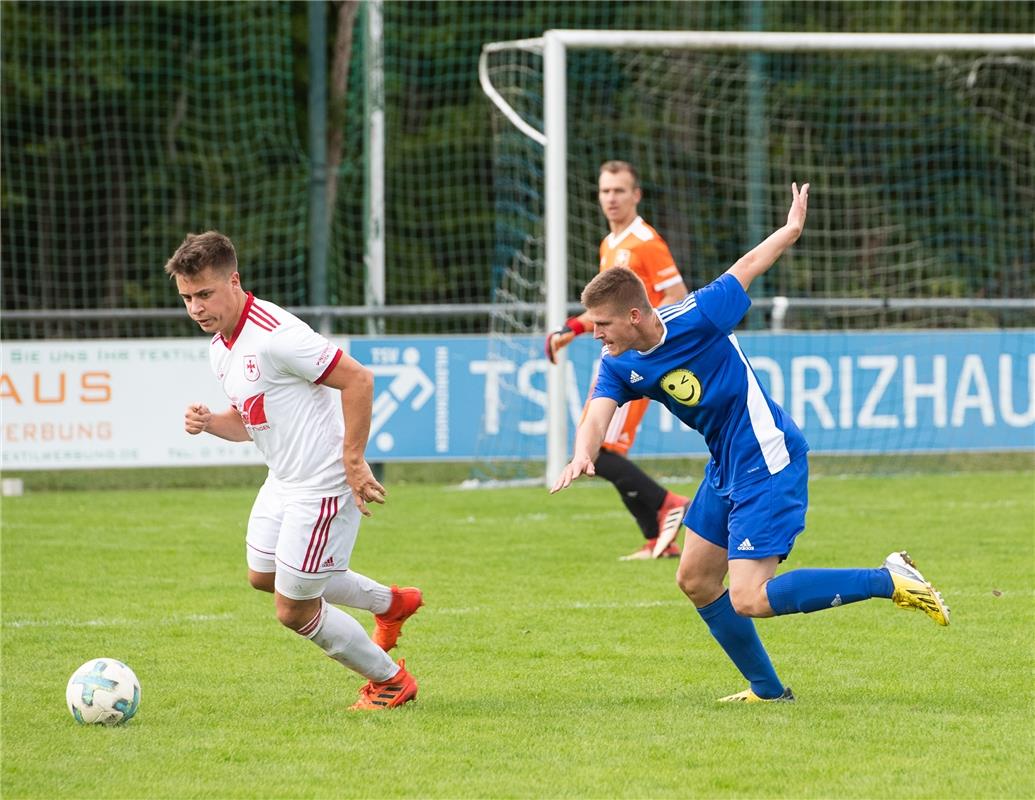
(344, 640)
(357, 591)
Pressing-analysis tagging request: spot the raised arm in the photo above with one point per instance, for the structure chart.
(761, 258)
(356, 384)
(588, 439)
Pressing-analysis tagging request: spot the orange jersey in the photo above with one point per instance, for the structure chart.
(640, 248)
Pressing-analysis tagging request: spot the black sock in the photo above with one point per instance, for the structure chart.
(641, 494)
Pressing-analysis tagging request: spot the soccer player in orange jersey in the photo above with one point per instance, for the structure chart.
(634, 244)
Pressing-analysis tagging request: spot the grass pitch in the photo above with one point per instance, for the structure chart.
(547, 668)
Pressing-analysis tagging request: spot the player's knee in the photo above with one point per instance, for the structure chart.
(686, 582)
(699, 587)
(749, 601)
(291, 615)
(262, 581)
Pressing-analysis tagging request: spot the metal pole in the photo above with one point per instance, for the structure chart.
(317, 12)
(555, 124)
(757, 155)
(374, 146)
(780, 42)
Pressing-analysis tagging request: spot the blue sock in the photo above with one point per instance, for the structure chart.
(807, 590)
(737, 636)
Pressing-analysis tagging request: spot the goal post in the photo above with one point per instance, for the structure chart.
(556, 231)
(554, 48)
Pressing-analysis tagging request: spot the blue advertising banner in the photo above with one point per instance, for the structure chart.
(120, 403)
(473, 397)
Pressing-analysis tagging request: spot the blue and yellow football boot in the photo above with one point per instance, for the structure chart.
(912, 590)
(748, 696)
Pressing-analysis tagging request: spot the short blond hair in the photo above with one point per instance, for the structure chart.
(614, 167)
(617, 287)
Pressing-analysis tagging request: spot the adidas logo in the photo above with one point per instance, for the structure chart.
(746, 545)
(328, 563)
(836, 601)
(635, 377)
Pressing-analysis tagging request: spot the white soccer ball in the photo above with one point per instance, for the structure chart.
(103, 691)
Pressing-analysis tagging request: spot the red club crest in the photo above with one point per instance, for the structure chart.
(251, 368)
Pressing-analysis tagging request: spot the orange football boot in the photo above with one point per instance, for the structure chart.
(395, 691)
(670, 518)
(388, 626)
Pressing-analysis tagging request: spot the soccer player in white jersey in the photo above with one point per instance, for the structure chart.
(306, 406)
(751, 504)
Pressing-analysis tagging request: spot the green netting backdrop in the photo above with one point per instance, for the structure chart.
(922, 167)
(126, 125)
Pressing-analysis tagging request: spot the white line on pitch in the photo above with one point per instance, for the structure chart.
(109, 623)
(576, 606)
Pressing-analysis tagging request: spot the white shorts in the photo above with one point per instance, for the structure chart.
(304, 540)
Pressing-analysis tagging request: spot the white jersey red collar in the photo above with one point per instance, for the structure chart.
(250, 313)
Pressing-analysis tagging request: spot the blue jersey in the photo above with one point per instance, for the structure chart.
(699, 372)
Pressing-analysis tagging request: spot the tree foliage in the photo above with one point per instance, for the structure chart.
(126, 125)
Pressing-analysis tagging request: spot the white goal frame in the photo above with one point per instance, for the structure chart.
(554, 45)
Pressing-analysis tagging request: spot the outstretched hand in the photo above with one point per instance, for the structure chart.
(580, 465)
(799, 207)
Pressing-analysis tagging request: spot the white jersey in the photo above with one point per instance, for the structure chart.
(271, 370)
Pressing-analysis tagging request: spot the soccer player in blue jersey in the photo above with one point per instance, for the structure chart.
(751, 504)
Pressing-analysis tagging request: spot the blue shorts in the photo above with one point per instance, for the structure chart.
(758, 520)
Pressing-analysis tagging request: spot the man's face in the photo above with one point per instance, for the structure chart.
(618, 197)
(615, 327)
(212, 299)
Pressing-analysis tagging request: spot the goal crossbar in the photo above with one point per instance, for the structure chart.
(776, 41)
(755, 41)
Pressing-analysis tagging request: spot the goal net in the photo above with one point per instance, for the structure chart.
(922, 164)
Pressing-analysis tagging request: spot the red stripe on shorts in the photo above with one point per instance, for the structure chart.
(314, 535)
(325, 534)
(318, 538)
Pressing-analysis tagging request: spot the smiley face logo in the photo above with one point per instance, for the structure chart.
(682, 385)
